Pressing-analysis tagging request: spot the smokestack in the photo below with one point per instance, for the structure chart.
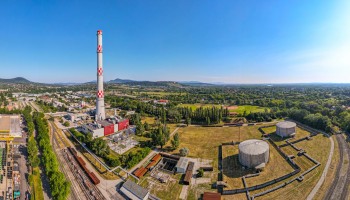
(100, 102)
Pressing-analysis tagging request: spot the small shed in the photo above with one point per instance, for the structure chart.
(134, 191)
(181, 165)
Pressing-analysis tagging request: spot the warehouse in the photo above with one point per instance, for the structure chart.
(286, 129)
(254, 153)
(134, 191)
(10, 126)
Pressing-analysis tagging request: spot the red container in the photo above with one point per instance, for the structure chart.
(123, 124)
(109, 129)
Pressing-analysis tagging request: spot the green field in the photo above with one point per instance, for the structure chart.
(248, 109)
(198, 105)
(35, 184)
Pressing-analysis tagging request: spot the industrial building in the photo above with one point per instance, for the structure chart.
(286, 129)
(95, 129)
(254, 153)
(10, 126)
(181, 165)
(134, 191)
(106, 127)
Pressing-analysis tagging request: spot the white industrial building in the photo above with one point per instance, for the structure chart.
(286, 129)
(181, 165)
(254, 153)
(134, 191)
(95, 129)
(10, 125)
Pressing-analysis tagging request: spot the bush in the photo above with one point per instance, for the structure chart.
(184, 151)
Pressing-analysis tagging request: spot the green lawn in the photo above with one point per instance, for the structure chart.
(248, 109)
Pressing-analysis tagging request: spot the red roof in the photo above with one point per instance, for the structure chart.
(211, 196)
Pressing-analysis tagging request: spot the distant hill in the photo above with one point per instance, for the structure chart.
(195, 83)
(15, 80)
(121, 81)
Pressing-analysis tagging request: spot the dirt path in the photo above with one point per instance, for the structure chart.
(338, 189)
(324, 173)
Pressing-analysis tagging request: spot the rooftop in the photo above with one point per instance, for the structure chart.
(135, 189)
(253, 147)
(182, 163)
(286, 124)
(10, 124)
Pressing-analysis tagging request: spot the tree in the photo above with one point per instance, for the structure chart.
(146, 126)
(66, 124)
(188, 121)
(184, 151)
(200, 172)
(139, 129)
(176, 141)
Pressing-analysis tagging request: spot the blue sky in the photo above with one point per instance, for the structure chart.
(289, 41)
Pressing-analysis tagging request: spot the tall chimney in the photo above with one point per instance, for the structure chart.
(100, 101)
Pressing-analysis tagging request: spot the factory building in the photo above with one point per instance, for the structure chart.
(10, 126)
(286, 129)
(254, 153)
(95, 129)
(134, 191)
(123, 124)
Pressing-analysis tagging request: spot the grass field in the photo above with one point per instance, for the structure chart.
(203, 142)
(198, 105)
(248, 109)
(35, 184)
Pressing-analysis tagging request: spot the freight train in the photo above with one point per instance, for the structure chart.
(82, 164)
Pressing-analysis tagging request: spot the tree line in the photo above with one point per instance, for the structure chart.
(59, 186)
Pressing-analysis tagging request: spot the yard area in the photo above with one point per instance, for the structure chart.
(165, 191)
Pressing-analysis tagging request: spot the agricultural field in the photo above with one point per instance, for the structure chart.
(161, 93)
(247, 108)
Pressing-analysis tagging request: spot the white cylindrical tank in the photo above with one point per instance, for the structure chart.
(286, 129)
(254, 153)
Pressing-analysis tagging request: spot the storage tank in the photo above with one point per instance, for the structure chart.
(286, 129)
(254, 153)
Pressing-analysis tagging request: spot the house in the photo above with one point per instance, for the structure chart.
(181, 165)
(134, 191)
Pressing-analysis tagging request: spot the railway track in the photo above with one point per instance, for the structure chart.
(339, 187)
(80, 182)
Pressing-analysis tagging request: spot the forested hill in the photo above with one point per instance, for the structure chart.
(16, 80)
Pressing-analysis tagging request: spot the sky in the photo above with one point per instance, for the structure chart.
(240, 41)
